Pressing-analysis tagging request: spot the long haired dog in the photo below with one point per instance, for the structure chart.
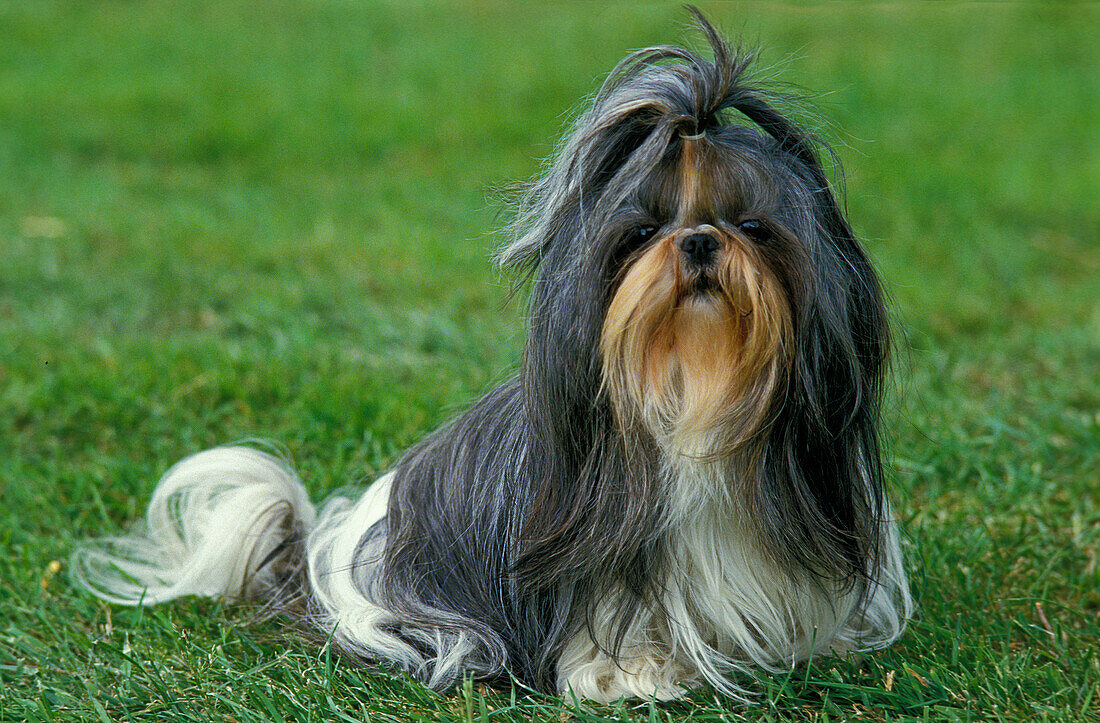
(683, 482)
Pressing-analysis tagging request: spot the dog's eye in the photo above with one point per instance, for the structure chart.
(755, 229)
(641, 235)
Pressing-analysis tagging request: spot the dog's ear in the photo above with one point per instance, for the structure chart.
(594, 504)
(821, 487)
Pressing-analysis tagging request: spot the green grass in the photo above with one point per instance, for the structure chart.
(223, 219)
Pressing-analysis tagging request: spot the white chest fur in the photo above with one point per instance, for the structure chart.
(725, 606)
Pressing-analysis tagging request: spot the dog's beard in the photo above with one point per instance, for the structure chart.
(694, 354)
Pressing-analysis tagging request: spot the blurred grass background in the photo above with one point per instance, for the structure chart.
(223, 219)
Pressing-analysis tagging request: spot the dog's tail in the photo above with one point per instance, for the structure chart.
(229, 522)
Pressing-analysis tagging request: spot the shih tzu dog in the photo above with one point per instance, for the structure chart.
(684, 482)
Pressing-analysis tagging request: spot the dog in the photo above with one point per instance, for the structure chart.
(683, 483)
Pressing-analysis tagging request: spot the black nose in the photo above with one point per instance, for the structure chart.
(699, 248)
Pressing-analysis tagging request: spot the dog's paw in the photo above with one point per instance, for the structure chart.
(646, 673)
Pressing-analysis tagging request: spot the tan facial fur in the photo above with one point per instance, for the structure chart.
(686, 363)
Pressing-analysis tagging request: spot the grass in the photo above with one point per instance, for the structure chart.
(224, 219)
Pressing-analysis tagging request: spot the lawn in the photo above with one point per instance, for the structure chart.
(224, 219)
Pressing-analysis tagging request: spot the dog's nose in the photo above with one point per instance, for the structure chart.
(699, 248)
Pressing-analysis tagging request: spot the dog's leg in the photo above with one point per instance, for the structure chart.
(641, 672)
(345, 554)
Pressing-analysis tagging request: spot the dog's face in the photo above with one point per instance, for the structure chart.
(699, 320)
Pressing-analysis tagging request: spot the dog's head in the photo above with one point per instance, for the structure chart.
(698, 293)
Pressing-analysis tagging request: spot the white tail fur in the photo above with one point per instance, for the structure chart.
(214, 519)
